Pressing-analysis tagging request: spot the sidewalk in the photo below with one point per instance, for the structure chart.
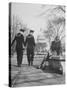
(30, 76)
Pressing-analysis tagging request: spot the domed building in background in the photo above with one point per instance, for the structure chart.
(42, 44)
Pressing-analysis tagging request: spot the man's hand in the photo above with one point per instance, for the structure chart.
(24, 48)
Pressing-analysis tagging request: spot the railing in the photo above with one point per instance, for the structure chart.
(42, 55)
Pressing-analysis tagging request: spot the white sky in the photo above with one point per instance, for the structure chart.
(31, 14)
(28, 13)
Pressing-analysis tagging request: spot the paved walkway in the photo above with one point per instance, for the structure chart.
(30, 76)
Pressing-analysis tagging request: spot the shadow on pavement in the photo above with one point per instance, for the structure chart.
(48, 69)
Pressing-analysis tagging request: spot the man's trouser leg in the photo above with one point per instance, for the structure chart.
(28, 57)
(19, 57)
(32, 57)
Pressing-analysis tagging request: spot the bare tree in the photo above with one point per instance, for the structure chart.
(15, 25)
(50, 32)
(56, 23)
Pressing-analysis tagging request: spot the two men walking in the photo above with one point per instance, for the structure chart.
(20, 43)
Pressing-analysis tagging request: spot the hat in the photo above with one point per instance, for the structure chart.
(32, 31)
(22, 30)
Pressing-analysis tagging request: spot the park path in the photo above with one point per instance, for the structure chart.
(31, 76)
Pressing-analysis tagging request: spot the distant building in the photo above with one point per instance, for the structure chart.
(42, 44)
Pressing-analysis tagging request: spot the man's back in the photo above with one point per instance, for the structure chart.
(19, 41)
(30, 42)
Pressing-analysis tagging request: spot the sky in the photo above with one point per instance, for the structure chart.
(34, 15)
(29, 14)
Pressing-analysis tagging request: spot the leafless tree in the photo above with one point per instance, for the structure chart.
(56, 23)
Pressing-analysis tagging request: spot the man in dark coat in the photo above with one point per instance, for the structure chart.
(19, 38)
(30, 43)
